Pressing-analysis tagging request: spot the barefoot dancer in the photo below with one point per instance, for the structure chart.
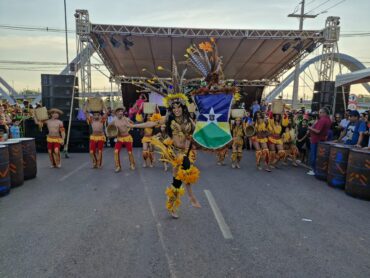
(238, 133)
(179, 128)
(97, 137)
(55, 137)
(260, 140)
(124, 139)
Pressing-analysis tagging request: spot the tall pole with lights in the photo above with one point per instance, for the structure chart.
(302, 16)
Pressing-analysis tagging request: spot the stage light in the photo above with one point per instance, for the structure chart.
(298, 46)
(100, 41)
(286, 46)
(128, 44)
(311, 47)
(114, 42)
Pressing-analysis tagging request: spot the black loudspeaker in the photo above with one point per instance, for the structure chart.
(324, 86)
(130, 94)
(326, 99)
(58, 80)
(57, 92)
(136, 134)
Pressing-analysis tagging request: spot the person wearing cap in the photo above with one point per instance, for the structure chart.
(56, 136)
(97, 137)
(124, 139)
(354, 131)
(318, 133)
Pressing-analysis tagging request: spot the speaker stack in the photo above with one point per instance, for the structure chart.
(324, 97)
(57, 92)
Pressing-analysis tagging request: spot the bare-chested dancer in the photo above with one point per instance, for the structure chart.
(97, 137)
(55, 137)
(123, 139)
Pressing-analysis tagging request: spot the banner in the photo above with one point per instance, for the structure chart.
(212, 130)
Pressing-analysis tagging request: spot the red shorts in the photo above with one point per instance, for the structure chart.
(128, 145)
(96, 145)
(53, 146)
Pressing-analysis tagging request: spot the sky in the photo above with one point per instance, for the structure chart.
(252, 14)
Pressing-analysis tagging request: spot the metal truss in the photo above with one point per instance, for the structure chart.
(196, 82)
(329, 48)
(83, 30)
(202, 33)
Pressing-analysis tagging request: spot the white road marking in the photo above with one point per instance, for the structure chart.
(171, 264)
(218, 215)
(73, 172)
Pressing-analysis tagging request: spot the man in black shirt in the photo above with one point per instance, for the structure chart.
(335, 127)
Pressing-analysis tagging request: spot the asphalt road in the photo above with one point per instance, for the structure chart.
(80, 222)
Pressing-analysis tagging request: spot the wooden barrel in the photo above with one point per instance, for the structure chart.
(337, 168)
(15, 162)
(4, 170)
(358, 174)
(29, 157)
(322, 160)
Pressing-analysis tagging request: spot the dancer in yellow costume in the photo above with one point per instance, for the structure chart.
(260, 140)
(238, 133)
(275, 141)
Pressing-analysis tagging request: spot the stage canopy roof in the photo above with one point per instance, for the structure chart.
(248, 55)
(356, 77)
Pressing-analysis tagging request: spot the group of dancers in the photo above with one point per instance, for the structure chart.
(172, 134)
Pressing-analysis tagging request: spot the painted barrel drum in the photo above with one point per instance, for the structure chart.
(29, 157)
(4, 170)
(358, 174)
(322, 160)
(337, 168)
(15, 161)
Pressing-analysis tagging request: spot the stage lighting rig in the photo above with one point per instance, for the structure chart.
(286, 46)
(128, 43)
(115, 43)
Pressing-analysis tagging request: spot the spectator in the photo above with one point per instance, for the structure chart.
(110, 119)
(303, 142)
(335, 127)
(366, 140)
(263, 106)
(345, 121)
(318, 133)
(255, 107)
(15, 131)
(354, 131)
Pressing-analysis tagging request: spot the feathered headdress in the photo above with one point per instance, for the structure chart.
(205, 60)
(172, 90)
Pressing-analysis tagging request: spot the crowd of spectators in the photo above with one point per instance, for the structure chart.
(310, 128)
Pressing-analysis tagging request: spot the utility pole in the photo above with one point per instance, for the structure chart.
(302, 16)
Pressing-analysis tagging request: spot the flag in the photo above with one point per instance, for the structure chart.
(212, 130)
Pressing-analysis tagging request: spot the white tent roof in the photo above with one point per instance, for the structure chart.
(356, 77)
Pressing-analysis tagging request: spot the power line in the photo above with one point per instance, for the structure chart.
(33, 28)
(340, 2)
(318, 6)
